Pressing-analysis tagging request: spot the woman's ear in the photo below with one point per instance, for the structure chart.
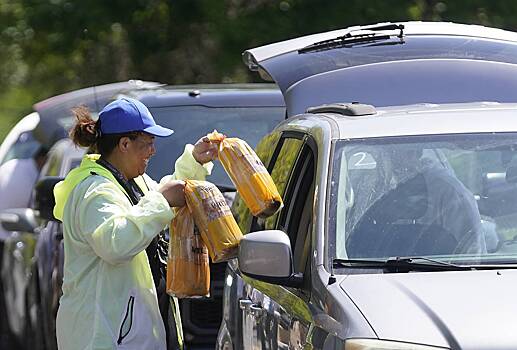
(123, 144)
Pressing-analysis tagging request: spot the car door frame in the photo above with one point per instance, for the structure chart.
(281, 314)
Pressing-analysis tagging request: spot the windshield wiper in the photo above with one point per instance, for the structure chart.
(366, 35)
(415, 263)
(396, 264)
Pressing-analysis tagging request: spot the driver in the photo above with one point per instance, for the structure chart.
(450, 205)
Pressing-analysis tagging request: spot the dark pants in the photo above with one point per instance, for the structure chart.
(164, 300)
(166, 304)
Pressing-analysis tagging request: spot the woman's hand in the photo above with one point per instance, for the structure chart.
(173, 191)
(205, 150)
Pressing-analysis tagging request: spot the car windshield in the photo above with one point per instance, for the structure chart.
(24, 147)
(452, 198)
(192, 122)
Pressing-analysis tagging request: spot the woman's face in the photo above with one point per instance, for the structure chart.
(141, 150)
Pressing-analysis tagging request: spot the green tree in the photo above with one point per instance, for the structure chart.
(53, 46)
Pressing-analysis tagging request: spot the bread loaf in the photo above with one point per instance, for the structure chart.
(248, 174)
(188, 271)
(213, 217)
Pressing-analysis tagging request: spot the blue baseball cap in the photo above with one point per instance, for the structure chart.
(127, 114)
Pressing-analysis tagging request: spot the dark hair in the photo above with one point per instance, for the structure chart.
(87, 133)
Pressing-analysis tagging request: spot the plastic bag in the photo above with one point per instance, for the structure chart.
(248, 174)
(214, 219)
(188, 270)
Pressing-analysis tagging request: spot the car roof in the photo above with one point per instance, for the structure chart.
(94, 97)
(422, 119)
(214, 95)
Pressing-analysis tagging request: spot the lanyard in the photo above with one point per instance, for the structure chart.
(133, 191)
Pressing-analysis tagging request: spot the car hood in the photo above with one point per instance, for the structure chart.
(458, 310)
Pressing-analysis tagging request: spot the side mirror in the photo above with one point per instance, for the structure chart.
(267, 256)
(19, 219)
(44, 200)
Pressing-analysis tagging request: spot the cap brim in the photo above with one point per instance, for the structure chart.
(159, 131)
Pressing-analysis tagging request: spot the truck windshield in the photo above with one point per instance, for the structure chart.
(192, 122)
(449, 197)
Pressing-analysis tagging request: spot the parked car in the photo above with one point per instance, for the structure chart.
(330, 269)
(390, 238)
(246, 111)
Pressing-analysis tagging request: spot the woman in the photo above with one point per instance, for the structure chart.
(111, 211)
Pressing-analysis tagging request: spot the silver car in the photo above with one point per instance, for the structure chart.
(390, 237)
(399, 225)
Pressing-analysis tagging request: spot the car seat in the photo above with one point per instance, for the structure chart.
(392, 226)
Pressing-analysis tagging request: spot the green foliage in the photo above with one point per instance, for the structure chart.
(14, 104)
(52, 46)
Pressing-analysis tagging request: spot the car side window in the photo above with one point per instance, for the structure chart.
(264, 151)
(280, 169)
(296, 218)
(51, 166)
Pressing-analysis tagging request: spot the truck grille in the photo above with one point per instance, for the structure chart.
(201, 318)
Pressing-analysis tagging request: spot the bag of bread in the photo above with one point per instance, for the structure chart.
(214, 219)
(188, 271)
(248, 174)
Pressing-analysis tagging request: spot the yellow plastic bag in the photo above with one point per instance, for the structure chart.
(188, 270)
(214, 219)
(248, 174)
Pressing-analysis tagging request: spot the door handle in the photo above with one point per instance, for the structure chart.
(18, 252)
(256, 310)
(244, 304)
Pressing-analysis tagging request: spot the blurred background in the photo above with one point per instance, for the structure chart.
(54, 46)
